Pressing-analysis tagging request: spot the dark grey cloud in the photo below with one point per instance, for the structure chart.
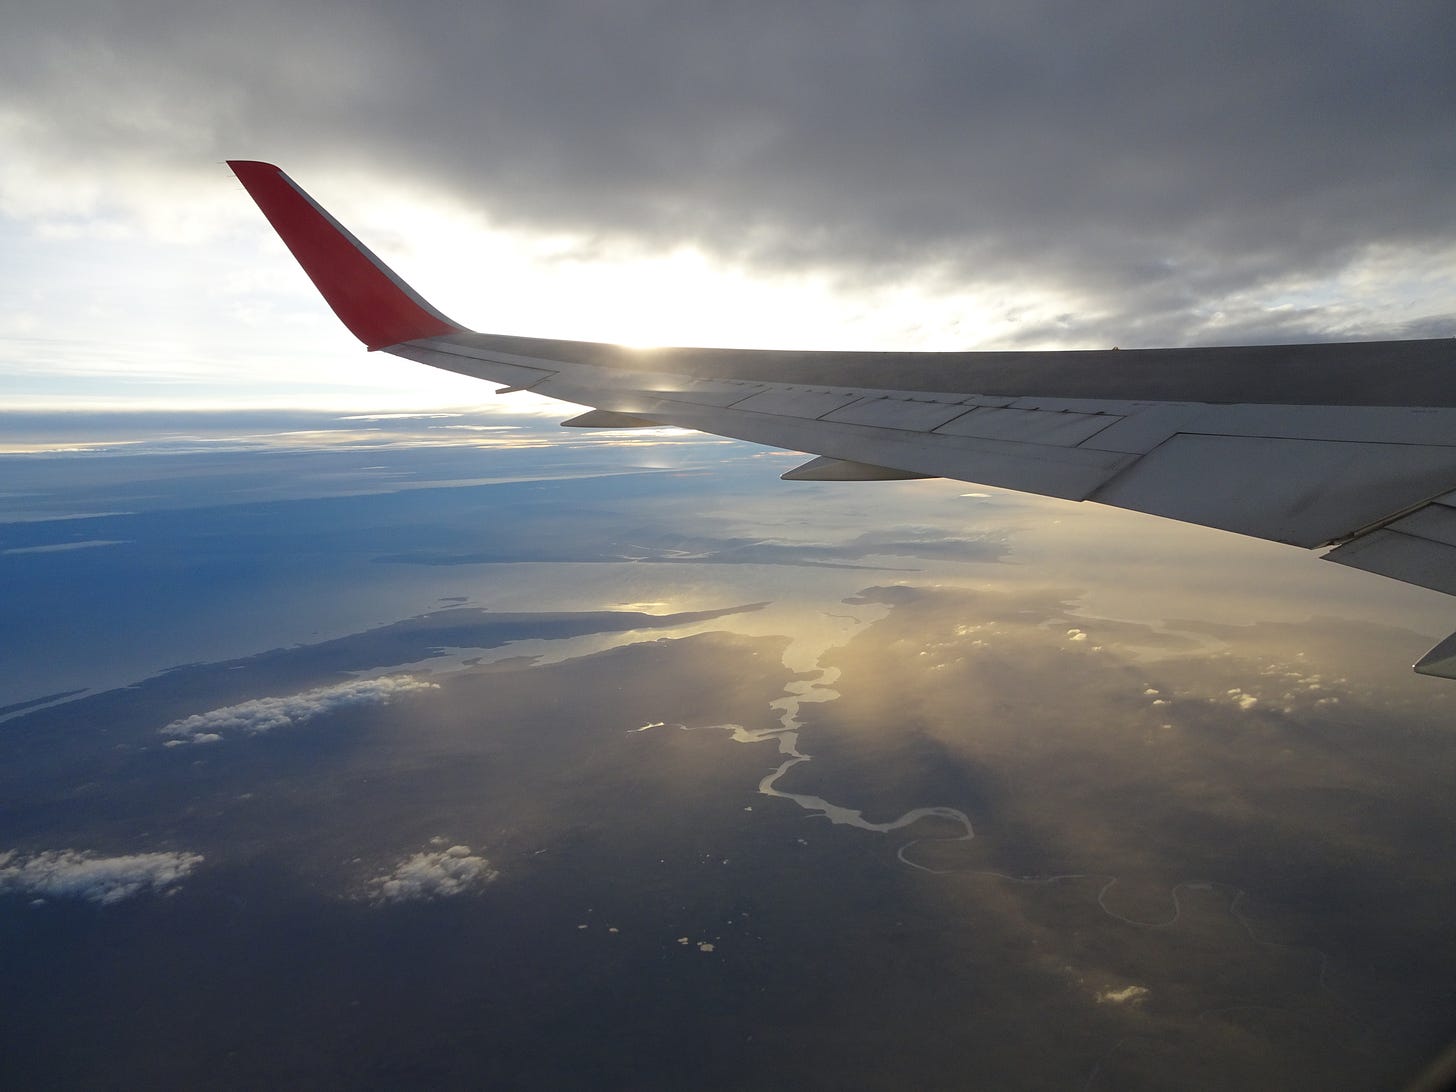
(1157, 163)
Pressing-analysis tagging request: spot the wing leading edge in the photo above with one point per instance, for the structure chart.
(1349, 445)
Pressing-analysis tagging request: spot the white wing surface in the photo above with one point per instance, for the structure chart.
(1350, 445)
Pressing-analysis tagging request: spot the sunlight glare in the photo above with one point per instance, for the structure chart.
(592, 289)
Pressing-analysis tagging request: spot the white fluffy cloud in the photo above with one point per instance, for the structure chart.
(81, 874)
(432, 875)
(1242, 700)
(266, 714)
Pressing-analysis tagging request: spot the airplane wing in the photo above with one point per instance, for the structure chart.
(1349, 445)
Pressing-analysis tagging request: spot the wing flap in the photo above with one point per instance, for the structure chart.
(1419, 561)
(1436, 521)
(1419, 548)
(1303, 492)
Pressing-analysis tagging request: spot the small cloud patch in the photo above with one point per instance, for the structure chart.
(1128, 995)
(1242, 700)
(266, 714)
(64, 547)
(438, 875)
(81, 874)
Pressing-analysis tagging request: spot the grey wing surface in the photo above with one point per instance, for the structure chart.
(1348, 445)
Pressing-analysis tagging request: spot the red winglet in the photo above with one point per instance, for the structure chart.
(378, 307)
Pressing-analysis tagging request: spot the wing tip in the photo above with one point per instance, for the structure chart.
(370, 299)
(253, 169)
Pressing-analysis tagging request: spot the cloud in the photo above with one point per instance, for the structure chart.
(1242, 700)
(62, 547)
(1143, 174)
(265, 714)
(432, 875)
(81, 874)
(1127, 995)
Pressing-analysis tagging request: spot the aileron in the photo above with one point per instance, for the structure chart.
(1426, 562)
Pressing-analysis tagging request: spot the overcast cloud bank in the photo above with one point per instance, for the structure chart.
(1126, 173)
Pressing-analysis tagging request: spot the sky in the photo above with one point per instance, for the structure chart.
(831, 175)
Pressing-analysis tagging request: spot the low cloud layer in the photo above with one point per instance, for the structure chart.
(266, 714)
(433, 874)
(81, 874)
